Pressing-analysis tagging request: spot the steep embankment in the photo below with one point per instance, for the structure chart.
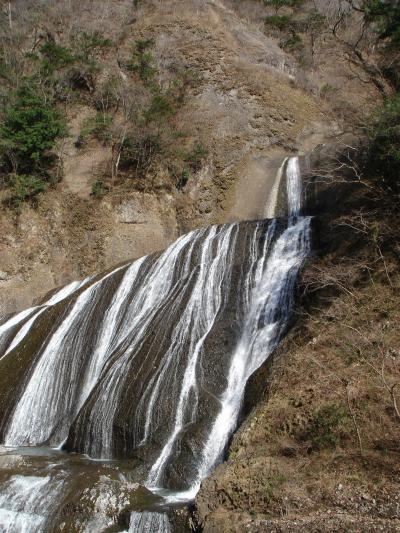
(320, 451)
(243, 104)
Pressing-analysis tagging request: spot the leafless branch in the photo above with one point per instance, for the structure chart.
(354, 419)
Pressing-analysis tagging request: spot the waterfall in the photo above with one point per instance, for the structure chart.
(26, 502)
(293, 187)
(199, 317)
(107, 338)
(15, 320)
(49, 395)
(151, 360)
(149, 523)
(267, 319)
(270, 208)
(8, 327)
(270, 311)
(159, 285)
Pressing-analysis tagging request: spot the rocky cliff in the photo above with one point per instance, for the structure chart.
(246, 101)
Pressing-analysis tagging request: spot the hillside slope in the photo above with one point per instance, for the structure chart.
(242, 104)
(320, 451)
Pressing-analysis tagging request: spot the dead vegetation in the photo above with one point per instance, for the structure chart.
(87, 56)
(324, 441)
(329, 428)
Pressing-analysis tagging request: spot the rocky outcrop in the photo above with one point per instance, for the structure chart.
(75, 495)
(245, 107)
(66, 238)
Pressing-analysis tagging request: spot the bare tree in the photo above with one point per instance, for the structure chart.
(349, 26)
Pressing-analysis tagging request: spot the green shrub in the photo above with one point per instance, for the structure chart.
(139, 153)
(29, 131)
(279, 22)
(183, 179)
(196, 156)
(107, 96)
(293, 43)
(160, 109)
(55, 57)
(314, 23)
(326, 427)
(182, 82)
(97, 126)
(99, 189)
(386, 18)
(142, 60)
(25, 187)
(273, 481)
(87, 44)
(326, 90)
(5, 71)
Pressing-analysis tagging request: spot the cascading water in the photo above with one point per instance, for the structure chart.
(149, 522)
(151, 361)
(48, 399)
(293, 187)
(270, 310)
(26, 502)
(147, 301)
(267, 317)
(33, 313)
(55, 299)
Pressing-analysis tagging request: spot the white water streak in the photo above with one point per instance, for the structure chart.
(147, 522)
(108, 328)
(56, 298)
(197, 320)
(26, 502)
(293, 186)
(16, 319)
(38, 411)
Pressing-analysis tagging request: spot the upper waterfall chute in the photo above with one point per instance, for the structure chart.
(293, 187)
(272, 203)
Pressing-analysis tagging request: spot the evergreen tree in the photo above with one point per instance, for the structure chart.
(29, 131)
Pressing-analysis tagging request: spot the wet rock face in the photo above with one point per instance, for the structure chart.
(146, 322)
(143, 368)
(102, 502)
(18, 365)
(57, 492)
(15, 370)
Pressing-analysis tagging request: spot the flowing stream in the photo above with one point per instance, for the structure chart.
(142, 372)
